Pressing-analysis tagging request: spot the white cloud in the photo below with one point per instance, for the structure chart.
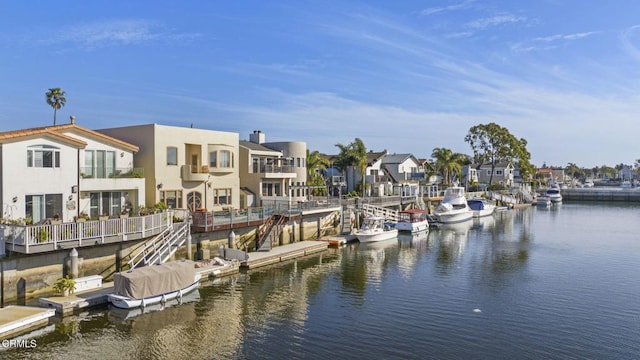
(454, 7)
(116, 32)
(495, 21)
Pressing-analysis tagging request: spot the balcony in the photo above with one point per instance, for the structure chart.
(111, 179)
(111, 173)
(195, 173)
(271, 171)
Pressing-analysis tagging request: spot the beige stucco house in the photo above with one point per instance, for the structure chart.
(272, 172)
(186, 167)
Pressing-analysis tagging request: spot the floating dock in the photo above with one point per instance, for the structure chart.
(284, 253)
(339, 240)
(15, 320)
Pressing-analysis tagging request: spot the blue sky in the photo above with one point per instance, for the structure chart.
(406, 76)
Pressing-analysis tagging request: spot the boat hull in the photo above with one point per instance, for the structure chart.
(487, 211)
(452, 217)
(373, 236)
(412, 226)
(124, 302)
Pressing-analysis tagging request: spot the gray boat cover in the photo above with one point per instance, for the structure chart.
(154, 279)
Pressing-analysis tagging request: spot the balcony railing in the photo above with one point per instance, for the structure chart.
(38, 238)
(111, 173)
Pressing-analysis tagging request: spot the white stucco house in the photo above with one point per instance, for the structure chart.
(64, 171)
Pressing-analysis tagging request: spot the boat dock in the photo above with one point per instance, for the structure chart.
(284, 253)
(18, 319)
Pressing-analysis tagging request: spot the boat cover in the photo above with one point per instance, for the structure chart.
(154, 279)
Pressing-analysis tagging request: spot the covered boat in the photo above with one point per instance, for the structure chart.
(153, 284)
(481, 207)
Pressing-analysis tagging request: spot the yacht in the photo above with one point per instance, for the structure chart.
(454, 207)
(375, 228)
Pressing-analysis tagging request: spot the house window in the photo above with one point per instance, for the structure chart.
(41, 207)
(488, 172)
(222, 196)
(255, 165)
(226, 159)
(43, 156)
(213, 159)
(105, 203)
(172, 155)
(172, 198)
(99, 164)
(498, 172)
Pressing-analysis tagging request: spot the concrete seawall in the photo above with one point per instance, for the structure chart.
(601, 194)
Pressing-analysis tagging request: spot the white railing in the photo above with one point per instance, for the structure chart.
(372, 210)
(159, 249)
(87, 233)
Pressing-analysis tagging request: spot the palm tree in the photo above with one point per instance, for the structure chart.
(360, 155)
(55, 98)
(316, 164)
(448, 163)
(354, 154)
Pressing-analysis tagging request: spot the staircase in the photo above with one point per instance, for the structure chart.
(346, 226)
(159, 249)
(273, 228)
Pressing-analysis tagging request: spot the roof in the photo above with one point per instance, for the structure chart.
(58, 132)
(256, 147)
(397, 158)
(373, 156)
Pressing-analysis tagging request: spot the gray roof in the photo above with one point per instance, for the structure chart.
(257, 147)
(395, 158)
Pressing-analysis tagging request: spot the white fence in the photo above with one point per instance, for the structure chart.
(27, 238)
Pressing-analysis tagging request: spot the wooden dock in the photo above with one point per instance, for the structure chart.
(284, 253)
(15, 320)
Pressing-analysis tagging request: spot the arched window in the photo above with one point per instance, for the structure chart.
(43, 156)
(194, 201)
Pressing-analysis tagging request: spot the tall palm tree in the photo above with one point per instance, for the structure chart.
(55, 98)
(360, 156)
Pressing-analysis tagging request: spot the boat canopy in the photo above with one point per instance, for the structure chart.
(154, 280)
(476, 204)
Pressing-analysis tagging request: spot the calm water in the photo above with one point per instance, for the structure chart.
(560, 283)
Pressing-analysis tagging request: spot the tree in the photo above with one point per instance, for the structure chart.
(55, 98)
(316, 164)
(354, 154)
(448, 163)
(491, 143)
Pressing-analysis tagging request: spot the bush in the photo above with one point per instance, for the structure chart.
(64, 284)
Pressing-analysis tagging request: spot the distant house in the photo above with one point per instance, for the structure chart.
(626, 173)
(550, 174)
(58, 172)
(502, 173)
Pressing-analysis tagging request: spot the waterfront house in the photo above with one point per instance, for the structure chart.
(551, 174)
(58, 173)
(272, 173)
(503, 173)
(186, 167)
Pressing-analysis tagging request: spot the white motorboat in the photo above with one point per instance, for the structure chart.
(481, 207)
(553, 193)
(375, 228)
(154, 284)
(454, 207)
(626, 184)
(543, 201)
(412, 220)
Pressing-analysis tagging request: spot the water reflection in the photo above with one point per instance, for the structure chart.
(531, 275)
(453, 239)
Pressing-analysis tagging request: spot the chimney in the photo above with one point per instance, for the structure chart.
(73, 119)
(257, 137)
